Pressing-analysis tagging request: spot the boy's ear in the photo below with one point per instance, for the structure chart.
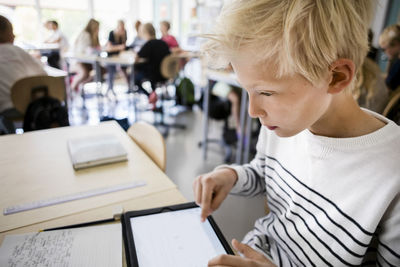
(342, 71)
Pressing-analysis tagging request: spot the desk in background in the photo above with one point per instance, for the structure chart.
(124, 59)
(243, 145)
(54, 72)
(41, 47)
(37, 167)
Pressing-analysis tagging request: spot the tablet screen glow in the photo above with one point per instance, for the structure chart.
(176, 238)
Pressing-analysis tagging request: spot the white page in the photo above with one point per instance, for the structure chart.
(176, 239)
(87, 246)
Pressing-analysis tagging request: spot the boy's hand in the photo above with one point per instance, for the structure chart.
(211, 189)
(251, 258)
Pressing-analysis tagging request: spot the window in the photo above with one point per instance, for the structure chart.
(24, 18)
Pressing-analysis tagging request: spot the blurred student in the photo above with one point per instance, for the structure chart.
(172, 43)
(371, 91)
(116, 43)
(15, 64)
(138, 42)
(117, 39)
(55, 37)
(151, 54)
(390, 43)
(87, 43)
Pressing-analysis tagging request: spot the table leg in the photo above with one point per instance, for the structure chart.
(68, 88)
(205, 119)
(111, 69)
(98, 76)
(243, 111)
(247, 140)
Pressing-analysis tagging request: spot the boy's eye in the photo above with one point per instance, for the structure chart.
(266, 93)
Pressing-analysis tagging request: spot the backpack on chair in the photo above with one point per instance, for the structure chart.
(44, 112)
(185, 92)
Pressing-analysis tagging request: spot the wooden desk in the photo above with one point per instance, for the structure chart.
(36, 166)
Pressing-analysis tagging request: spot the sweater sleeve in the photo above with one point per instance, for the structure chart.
(389, 236)
(251, 181)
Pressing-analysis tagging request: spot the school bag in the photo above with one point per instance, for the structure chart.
(185, 92)
(44, 112)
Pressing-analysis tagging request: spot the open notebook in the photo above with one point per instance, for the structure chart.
(96, 150)
(98, 246)
(171, 236)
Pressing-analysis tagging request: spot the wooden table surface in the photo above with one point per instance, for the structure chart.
(36, 166)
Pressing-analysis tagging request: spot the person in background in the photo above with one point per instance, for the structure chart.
(116, 43)
(15, 64)
(138, 42)
(371, 91)
(389, 41)
(55, 37)
(328, 168)
(87, 43)
(151, 54)
(173, 45)
(117, 39)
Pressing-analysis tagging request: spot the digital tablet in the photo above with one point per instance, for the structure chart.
(171, 236)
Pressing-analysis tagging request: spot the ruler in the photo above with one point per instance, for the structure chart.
(71, 197)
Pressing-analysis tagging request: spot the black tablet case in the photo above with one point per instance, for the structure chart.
(130, 250)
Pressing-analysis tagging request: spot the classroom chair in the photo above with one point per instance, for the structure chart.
(169, 68)
(21, 93)
(150, 140)
(22, 89)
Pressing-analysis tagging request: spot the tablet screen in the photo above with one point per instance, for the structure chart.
(176, 238)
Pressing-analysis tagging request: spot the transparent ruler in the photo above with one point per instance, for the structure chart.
(75, 196)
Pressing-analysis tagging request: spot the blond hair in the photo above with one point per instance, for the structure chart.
(149, 29)
(390, 35)
(90, 28)
(294, 36)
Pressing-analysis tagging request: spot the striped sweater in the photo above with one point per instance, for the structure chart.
(333, 201)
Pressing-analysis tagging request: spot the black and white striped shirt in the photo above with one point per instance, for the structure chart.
(333, 201)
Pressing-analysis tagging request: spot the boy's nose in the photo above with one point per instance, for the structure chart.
(255, 109)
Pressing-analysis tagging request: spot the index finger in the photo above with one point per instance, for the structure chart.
(206, 199)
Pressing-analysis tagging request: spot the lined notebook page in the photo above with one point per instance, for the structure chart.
(87, 246)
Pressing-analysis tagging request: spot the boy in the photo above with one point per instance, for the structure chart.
(328, 168)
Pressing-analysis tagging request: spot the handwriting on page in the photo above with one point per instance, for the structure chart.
(88, 246)
(42, 249)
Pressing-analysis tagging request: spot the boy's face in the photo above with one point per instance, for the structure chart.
(287, 105)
